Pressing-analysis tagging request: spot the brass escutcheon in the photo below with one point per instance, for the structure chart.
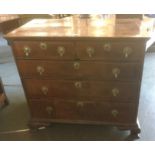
(115, 92)
(90, 51)
(107, 47)
(49, 110)
(76, 65)
(43, 45)
(78, 84)
(61, 50)
(114, 112)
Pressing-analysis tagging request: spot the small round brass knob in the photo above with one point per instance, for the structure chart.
(127, 51)
(61, 50)
(27, 50)
(40, 70)
(116, 72)
(115, 92)
(90, 51)
(49, 110)
(107, 47)
(76, 65)
(78, 84)
(44, 89)
(43, 45)
(114, 112)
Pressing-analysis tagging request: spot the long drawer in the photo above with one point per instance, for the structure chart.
(111, 91)
(79, 70)
(83, 110)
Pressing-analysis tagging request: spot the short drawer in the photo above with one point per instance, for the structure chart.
(124, 51)
(111, 91)
(83, 110)
(44, 50)
(79, 70)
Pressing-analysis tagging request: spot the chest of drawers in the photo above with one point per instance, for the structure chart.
(79, 78)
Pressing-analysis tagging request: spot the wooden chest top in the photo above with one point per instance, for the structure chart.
(73, 27)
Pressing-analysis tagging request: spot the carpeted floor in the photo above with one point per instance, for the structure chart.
(14, 118)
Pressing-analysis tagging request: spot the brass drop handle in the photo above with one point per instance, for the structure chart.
(44, 89)
(40, 70)
(43, 45)
(116, 72)
(76, 65)
(90, 51)
(115, 92)
(127, 51)
(27, 51)
(49, 110)
(114, 112)
(61, 50)
(107, 47)
(78, 84)
(80, 104)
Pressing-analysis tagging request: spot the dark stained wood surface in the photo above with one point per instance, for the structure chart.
(88, 89)
(51, 52)
(83, 111)
(116, 51)
(80, 70)
(99, 45)
(75, 27)
(83, 50)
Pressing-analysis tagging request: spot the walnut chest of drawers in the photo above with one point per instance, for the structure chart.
(79, 73)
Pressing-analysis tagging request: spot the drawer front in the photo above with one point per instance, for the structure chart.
(124, 51)
(44, 50)
(108, 111)
(83, 110)
(80, 70)
(115, 91)
(53, 109)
